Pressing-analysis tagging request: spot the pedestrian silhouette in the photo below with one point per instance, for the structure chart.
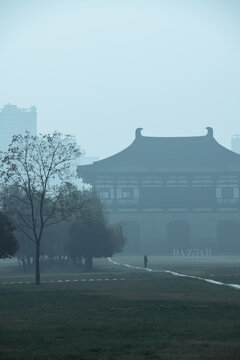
(145, 260)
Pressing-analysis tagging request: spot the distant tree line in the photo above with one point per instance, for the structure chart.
(84, 235)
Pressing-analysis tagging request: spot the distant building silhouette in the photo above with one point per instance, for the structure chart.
(171, 193)
(14, 121)
(235, 143)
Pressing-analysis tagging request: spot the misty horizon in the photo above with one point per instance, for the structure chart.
(99, 70)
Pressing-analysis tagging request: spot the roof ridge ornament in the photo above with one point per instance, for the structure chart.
(209, 131)
(138, 133)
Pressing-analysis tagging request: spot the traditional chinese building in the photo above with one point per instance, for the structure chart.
(171, 192)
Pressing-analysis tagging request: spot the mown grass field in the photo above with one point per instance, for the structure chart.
(145, 316)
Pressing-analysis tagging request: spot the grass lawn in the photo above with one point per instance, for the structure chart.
(145, 316)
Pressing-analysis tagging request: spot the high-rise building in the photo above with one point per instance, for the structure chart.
(235, 143)
(14, 121)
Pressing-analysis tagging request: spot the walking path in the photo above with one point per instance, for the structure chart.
(235, 286)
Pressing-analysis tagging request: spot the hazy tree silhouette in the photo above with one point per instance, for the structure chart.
(90, 235)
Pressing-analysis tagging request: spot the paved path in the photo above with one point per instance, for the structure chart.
(235, 286)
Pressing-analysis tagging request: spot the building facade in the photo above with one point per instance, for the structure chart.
(14, 121)
(171, 193)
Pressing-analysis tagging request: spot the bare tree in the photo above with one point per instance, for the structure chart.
(37, 173)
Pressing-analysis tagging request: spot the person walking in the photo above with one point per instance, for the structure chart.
(145, 261)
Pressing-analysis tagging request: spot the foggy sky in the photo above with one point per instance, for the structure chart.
(99, 69)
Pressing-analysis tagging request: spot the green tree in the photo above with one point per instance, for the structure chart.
(54, 242)
(8, 242)
(36, 175)
(90, 235)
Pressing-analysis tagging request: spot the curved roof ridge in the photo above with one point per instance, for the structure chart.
(209, 135)
(152, 153)
(115, 155)
(171, 137)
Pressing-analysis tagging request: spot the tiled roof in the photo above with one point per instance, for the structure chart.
(162, 154)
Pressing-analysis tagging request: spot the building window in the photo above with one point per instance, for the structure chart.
(126, 194)
(104, 195)
(203, 181)
(227, 193)
(177, 181)
(236, 193)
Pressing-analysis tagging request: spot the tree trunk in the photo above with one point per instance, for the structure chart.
(37, 264)
(89, 263)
